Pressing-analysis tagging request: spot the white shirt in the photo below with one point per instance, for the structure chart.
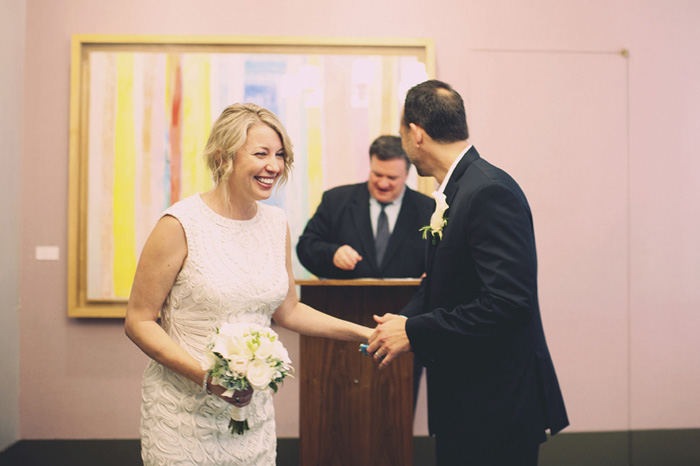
(441, 189)
(392, 211)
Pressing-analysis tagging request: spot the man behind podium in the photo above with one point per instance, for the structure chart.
(369, 230)
(475, 322)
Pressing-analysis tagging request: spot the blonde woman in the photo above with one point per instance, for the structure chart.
(215, 257)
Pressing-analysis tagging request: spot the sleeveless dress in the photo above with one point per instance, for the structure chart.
(234, 272)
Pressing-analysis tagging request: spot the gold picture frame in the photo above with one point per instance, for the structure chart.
(91, 126)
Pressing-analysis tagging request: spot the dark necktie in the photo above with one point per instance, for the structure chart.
(382, 238)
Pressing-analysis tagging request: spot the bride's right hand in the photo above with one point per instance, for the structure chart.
(239, 398)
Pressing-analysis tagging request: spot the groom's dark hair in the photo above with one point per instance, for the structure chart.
(438, 109)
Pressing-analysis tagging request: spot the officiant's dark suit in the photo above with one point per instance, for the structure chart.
(343, 218)
(475, 322)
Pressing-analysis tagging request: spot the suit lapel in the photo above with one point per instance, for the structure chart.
(363, 225)
(452, 185)
(450, 193)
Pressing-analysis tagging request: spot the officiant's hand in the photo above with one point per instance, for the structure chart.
(346, 258)
(239, 398)
(389, 339)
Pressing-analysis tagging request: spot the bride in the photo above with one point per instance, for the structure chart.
(216, 257)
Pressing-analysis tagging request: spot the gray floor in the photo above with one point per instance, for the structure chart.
(638, 448)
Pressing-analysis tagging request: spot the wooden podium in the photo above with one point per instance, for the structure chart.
(351, 413)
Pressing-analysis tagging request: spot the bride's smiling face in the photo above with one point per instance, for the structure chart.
(257, 165)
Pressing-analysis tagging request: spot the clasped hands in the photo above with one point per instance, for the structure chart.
(389, 339)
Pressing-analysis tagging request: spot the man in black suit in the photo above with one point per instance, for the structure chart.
(475, 322)
(342, 238)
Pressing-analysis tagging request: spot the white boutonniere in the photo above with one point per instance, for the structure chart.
(438, 220)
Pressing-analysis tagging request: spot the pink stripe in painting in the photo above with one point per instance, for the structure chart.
(175, 138)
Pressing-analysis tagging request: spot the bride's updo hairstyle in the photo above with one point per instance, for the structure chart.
(230, 132)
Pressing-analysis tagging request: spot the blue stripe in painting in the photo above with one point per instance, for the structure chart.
(166, 172)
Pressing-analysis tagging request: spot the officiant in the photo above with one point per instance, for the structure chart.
(369, 229)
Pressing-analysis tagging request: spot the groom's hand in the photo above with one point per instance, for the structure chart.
(389, 339)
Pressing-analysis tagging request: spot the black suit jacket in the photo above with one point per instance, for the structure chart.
(343, 218)
(475, 322)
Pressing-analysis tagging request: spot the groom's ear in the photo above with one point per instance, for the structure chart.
(417, 132)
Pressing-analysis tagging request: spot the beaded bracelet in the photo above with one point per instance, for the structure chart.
(205, 382)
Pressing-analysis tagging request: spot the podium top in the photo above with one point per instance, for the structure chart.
(361, 282)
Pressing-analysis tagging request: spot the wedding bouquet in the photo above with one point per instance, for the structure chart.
(244, 355)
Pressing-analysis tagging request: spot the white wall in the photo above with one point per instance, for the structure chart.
(12, 28)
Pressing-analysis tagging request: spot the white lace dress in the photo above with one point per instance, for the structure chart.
(234, 271)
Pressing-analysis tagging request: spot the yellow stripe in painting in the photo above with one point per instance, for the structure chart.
(124, 179)
(203, 179)
(196, 124)
(314, 157)
(314, 147)
(390, 105)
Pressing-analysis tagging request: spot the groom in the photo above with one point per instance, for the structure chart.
(475, 322)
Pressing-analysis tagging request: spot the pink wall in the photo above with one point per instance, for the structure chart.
(577, 189)
(606, 148)
(11, 86)
(665, 217)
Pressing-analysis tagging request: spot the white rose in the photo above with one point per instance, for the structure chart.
(250, 345)
(209, 361)
(251, 327)
(238, 365)
(440, 203)
(265, 349)
(280, 352)
(259, 374)
(233, 331)
(271, 334)
(219, 345)
(230, 348)
(440, 198)
(437, 220)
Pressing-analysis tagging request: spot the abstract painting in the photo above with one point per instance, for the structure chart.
(144, 116)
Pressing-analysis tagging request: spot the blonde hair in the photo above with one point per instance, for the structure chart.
(230, 132)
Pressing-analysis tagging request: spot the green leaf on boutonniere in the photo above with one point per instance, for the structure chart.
(435, 230)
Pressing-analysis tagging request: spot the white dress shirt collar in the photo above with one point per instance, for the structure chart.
(441, 189)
